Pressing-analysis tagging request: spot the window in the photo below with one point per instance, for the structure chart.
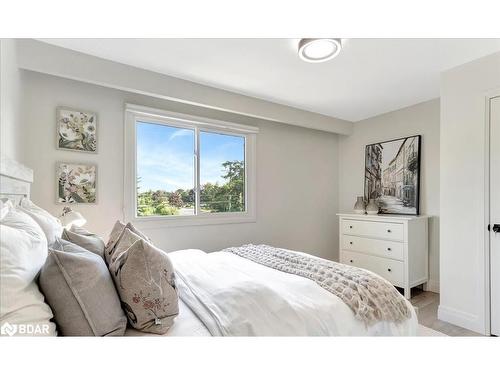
(189, 170)
(222, 172)
(165, 170)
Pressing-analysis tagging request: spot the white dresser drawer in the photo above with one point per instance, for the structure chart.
(365, 240)
(390, 269)
(389, 231)
(381, 248)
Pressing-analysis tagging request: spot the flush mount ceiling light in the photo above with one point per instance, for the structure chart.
(319, 49)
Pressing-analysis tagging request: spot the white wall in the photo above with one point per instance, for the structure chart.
(10, 83)
(464, 280)
(45, 58)
(297, 170)
(421, 119)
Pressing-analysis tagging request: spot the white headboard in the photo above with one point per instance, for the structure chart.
(15, 179)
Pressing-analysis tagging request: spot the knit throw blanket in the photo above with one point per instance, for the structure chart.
(370, 297)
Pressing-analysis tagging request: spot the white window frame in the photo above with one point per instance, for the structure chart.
(135, 113)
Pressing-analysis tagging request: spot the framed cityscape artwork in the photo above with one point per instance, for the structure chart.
(392, 175)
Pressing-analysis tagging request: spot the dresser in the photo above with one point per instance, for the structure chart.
(394, 247)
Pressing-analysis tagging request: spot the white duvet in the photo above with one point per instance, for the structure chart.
(233, 296)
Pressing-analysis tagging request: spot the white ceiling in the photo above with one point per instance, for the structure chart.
(369, 77)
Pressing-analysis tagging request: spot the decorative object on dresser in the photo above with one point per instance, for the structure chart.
(76, 130)
(395, 247)
(392, 175)
(76, 183)
(359, 206)
(372, 207)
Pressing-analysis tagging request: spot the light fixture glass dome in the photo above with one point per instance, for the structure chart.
(319, 50)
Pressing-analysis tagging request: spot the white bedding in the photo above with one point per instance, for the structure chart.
(185, 324)
(232, 296)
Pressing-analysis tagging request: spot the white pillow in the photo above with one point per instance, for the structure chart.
(23, 251)
(50, 225)
(5, 206)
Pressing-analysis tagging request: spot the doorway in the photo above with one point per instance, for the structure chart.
(494, 215)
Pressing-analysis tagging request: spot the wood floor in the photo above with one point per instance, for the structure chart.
(427, 306)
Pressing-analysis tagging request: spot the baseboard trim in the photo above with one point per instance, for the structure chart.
(460, 318)
(433, 286)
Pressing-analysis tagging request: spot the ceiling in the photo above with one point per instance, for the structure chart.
(369, 77)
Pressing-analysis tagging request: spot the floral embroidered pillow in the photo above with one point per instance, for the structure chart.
(127, 239)
(115, 237)
(145, 280)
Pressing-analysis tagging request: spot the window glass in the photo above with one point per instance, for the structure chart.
(222, 173)
(165, 170)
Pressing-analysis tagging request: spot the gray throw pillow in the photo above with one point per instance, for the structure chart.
(83, 238)
(79, 289)
(115, 236)
(145, 280)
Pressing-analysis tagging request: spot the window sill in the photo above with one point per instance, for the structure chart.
(185, 221)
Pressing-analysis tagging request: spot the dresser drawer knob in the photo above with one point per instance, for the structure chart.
(389, 270)
(388, 231)
(350, 261)
(350, 226)
(389, 249)
(350, 242)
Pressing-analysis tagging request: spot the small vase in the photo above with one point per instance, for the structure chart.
(372, 207)
(359, 207)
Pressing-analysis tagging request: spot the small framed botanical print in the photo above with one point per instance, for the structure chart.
(76, 130)
(76, 183)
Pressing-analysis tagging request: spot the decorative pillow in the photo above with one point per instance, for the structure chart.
(127, 238)
(81, 237)
(79, 288)
(115, 235)
(50, 225)
(5, 206)
(144, 278)
(23, 250)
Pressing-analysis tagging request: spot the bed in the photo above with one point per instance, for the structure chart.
(263, 302)
(225, 294)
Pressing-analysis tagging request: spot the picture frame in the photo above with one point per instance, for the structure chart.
(392, 175)
(76, 183)
(76, 130)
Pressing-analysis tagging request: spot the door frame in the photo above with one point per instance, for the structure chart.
(487, 212)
